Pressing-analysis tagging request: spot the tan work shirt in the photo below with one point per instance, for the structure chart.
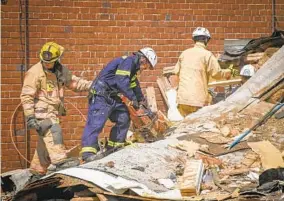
(194, 67)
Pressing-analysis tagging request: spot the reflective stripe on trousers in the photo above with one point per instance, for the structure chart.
(99, 112)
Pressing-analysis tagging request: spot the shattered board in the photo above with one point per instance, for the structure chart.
(144, 163)
(215, 138)
(214, 149)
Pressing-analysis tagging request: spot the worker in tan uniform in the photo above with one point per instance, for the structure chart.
(42, 101)
(194, 67)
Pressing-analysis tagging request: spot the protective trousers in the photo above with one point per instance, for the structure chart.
(100, 110)
(49, 150)
(187, 109)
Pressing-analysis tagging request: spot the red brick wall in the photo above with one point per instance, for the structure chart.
(93, 32)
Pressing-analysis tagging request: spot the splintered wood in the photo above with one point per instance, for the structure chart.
(192, 177)
(151, 99)
(164, 85)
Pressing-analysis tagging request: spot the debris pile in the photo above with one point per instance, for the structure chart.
(194, 162)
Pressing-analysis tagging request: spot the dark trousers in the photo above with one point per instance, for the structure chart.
(100, 110)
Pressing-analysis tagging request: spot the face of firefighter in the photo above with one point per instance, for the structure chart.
(48, 65)
(144, 64)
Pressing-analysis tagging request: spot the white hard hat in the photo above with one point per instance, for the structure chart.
(150, 54)
(201, 31)
(247, 70)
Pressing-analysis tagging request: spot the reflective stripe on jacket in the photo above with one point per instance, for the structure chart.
(121, 75)
(194, 67)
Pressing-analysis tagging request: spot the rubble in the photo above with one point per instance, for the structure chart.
(193, 162)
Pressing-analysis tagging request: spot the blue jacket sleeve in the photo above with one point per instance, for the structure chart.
(122, 78)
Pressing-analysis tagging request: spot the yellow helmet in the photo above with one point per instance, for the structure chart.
(51, 52)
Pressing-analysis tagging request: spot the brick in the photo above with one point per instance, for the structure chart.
(93, 32)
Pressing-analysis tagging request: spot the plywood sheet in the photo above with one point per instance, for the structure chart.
(270, 156)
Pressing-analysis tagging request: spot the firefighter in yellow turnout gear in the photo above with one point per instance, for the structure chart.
(194, 67)
(42, 100)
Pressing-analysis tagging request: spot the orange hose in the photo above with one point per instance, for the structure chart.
(11, 134)
(11, 124)
(77, 110)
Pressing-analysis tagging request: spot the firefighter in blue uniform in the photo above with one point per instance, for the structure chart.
(119, 76)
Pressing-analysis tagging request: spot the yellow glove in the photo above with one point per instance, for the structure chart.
(234, 72)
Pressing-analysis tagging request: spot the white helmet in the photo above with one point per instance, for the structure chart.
(201, 31)
(150, 54)
(247, 70)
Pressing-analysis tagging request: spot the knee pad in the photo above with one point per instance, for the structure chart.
(56, 132)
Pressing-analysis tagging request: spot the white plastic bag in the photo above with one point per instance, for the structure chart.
(173, 113)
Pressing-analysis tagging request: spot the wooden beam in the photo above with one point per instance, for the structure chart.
(151, 99)
(122, 195)
(162, 89)
(101, 197)
(225, 82)
(191, 179)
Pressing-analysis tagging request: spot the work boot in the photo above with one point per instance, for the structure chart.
(34, 176)
(93, 157)
(66, 163)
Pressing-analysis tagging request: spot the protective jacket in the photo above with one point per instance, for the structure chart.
(42, 92)
(194, 67)
(119, 76)
(42, 96)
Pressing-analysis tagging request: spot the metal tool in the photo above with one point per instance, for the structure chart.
(273, 110)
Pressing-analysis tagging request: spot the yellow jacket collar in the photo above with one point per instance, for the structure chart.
(200, 45)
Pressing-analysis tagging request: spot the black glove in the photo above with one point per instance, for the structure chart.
(135, 104)
(44, 126)
(143, 103)
(32, 123)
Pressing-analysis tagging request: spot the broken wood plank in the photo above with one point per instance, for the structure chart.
(233, 172)
(163, 90)
(253, 58)
(74, 151)
(270, 156)
(130, 196)
(101, 197)
(274, 90)
(166, 83)
(208, 160)
(168, 70)
(151, 99)
(217, 182)
(224, 83)
(191, 179)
